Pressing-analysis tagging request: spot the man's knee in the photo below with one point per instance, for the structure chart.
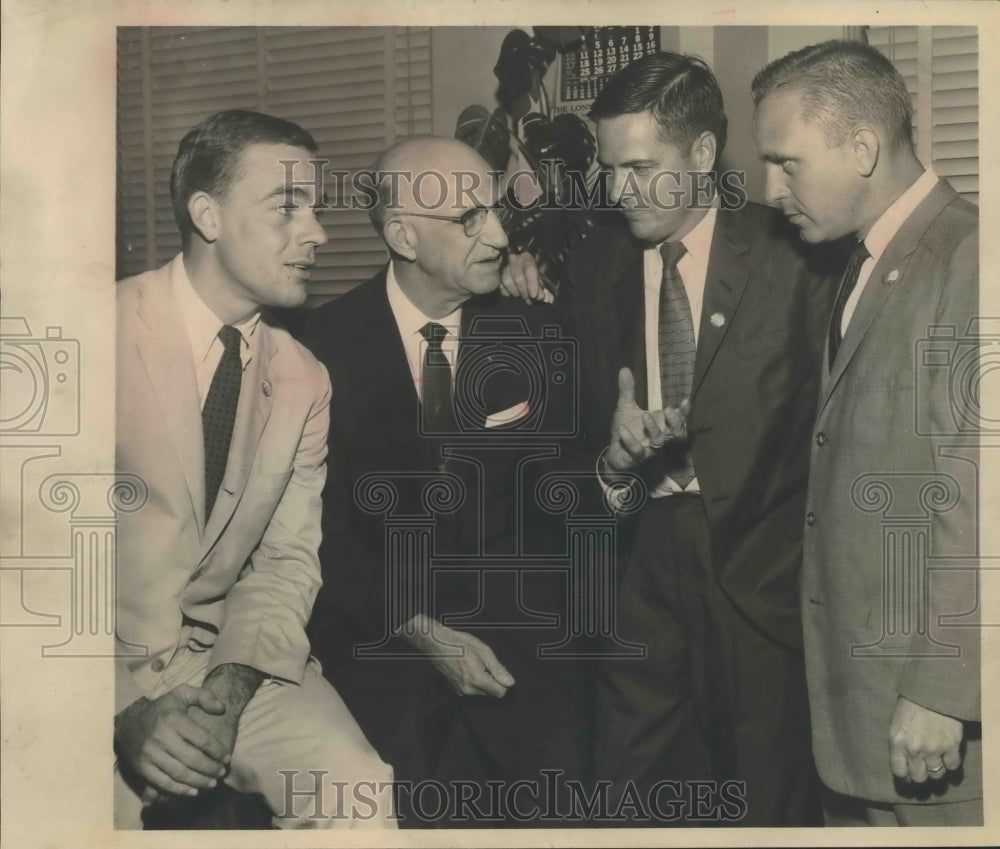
(354, 792)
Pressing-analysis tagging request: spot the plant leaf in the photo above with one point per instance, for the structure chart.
(521, 64)
(485, 133)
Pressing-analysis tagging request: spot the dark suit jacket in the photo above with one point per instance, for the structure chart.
(375, 433)
(754, 392)
(892, 494)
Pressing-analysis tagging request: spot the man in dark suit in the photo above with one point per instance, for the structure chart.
(438, 433)
(889, 590)
(699, 336)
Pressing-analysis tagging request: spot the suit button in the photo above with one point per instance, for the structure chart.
(157, 665)
(821, 439)
(810, 518)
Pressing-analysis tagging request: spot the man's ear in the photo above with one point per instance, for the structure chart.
(204, 212)
(401, 238)
(865, 144)
(703, 151)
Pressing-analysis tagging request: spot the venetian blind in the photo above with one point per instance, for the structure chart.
(941, 69)
(356, 89)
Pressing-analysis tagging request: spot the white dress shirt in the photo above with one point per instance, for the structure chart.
(203, 328)
(884, 231)
(409, 321)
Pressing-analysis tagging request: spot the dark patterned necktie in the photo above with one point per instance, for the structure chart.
(850, 280)
(677, 349)
(219, 413)
(435, 381)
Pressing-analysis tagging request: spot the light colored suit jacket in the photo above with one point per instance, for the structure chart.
(241, 586)
(889, 592)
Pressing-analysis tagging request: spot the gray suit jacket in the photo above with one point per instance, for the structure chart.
(889, 592)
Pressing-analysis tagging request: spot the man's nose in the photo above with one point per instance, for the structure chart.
(775, 189)
(616, 185)
(313, 231)
(493, 233)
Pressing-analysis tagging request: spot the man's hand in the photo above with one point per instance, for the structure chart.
(637, 434)
(166, 747)
(521, 278)
(465, 661)
(923, 743)
(232, 685)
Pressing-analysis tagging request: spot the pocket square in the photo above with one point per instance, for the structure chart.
(508, 416)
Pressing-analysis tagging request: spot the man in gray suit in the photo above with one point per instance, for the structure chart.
(889, 585)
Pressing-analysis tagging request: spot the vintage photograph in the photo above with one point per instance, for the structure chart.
(541, 431)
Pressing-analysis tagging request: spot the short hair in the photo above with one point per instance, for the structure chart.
(208, 156)
(842, 84)
(680, 91)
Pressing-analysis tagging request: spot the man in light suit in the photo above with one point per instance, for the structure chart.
(222, 423)
(889, 591)
(470, 702)
(710, 587)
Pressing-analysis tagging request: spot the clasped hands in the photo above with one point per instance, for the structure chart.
(182, 742)
(637, 434)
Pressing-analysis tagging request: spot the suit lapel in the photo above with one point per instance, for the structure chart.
(383, 385)
(252, 413)
(888, 275)
(166, 355)
(725, 281)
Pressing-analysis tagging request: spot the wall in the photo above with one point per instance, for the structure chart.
(462, 60)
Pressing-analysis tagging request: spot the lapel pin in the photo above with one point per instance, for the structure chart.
(265, 387)
(717, 319)
(892, 276)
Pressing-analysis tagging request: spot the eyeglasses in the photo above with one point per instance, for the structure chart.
(473, 220)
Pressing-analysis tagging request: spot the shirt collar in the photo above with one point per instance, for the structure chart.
(409, 318)
(698, 242)
(885, 228)
(201, 323)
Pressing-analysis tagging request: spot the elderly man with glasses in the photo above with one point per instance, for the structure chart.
(446, 412)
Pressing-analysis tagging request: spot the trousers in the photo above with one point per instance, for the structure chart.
(716, 706)
(296, 745)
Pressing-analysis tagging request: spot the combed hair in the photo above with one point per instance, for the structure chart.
(680, 91)
(209, 155)
(842, 84)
